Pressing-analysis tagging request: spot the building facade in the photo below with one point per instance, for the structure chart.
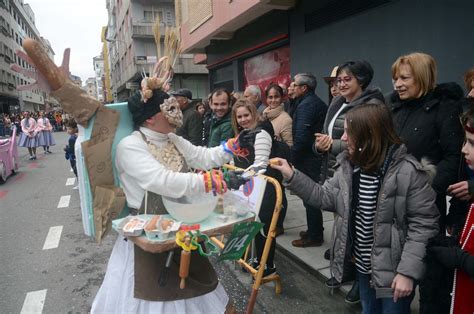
(17, 21)
(99, 78)
(260, 41)
(132, 48)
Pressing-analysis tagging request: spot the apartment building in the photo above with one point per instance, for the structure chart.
(260, 41)
(99, 78)
(132, 49)
(17, 21)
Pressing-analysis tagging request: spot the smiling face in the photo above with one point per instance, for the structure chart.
(405, 83)
(349, 87)
(220, 105)
(273, 98)
(244, 118)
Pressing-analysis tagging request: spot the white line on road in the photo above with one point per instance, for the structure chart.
(70, 181)
(34, 302)
(53, 237)
(64, 201)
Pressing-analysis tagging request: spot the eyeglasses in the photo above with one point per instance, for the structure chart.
(345, 79)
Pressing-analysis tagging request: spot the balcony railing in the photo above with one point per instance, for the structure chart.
(144, 28)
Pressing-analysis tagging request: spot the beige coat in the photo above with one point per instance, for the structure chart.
(281, 122)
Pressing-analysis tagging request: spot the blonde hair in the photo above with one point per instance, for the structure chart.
(423, 68)
(468, 78)
(243, 103)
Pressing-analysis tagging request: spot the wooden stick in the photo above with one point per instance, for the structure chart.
(184, 264)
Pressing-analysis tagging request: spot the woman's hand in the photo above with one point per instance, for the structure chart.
(282, 165)
(402, 286)
(460, 191)
(323, 142)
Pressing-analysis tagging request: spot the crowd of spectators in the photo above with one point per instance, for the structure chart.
(424, 125)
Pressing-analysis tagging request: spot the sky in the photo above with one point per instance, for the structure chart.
(72, 24)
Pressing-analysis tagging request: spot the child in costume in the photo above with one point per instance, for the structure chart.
(45, 137)
(28, 136)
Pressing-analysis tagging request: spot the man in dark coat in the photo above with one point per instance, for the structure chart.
(308, 119)
(192, 121)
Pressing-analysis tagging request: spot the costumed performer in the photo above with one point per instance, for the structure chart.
(28, 135)
(154, 160)
(44, 128)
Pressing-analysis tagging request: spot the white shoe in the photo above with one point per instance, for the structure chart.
(76, 187)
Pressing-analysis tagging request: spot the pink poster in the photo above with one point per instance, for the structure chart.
(272, 66)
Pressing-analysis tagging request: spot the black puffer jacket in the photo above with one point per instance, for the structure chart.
(430, 128)
(370, 95)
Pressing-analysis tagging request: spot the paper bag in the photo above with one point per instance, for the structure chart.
(98, 160)
(75, 101)
(108, 204)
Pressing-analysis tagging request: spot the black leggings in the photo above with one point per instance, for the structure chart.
(265, 215)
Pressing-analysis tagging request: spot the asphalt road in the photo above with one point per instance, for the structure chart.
(65, 277)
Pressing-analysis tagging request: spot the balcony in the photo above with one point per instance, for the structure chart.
(144, 28)
(8, 59)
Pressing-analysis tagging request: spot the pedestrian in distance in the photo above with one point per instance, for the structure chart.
(385, 210)
(45, 136)
(29, 135)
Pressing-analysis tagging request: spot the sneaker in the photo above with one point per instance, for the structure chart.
(332, 283)
(48, 152)
(306, 242)
(268, 271)
(32, 158)
(327, 254)
(76, 187)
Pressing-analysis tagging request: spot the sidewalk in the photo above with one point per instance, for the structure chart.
(312, 257)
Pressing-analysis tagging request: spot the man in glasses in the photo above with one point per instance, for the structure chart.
(308, 119)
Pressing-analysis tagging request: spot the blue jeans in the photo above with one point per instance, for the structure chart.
(371, 305)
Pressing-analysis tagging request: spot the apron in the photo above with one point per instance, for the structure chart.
(201, 280)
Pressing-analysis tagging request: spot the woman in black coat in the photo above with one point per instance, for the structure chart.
(426, 117)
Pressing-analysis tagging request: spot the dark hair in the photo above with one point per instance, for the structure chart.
(72, 124)
(370, 127)
(362, 71)
(218, 92)
(276, 87)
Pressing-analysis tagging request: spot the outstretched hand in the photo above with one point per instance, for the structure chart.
(40, 81)
(234, 179)
(283, 166)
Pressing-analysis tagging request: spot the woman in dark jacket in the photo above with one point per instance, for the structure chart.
(352, 79)
(245, 117)
(426, 117)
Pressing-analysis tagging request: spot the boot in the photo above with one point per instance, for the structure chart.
(353, 296)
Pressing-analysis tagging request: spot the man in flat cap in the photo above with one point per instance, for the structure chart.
(192, 121)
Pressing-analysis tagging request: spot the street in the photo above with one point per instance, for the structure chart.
(50, 266)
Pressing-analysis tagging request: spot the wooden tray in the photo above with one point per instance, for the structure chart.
(212, 226)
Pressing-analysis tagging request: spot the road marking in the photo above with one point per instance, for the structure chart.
(64, 201)
(34, 302)
(70, 181)
(53, 237)
(3, 194)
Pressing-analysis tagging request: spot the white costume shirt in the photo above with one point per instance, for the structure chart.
(139, 171)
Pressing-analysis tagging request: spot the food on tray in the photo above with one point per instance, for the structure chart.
(274, 161)
(166, 224)
(152, 223)
(134, 224)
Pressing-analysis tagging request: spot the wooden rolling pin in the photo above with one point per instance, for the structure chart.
(44, 64)
(184, 264)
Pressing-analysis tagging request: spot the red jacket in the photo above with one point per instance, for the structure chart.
(463, 288)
